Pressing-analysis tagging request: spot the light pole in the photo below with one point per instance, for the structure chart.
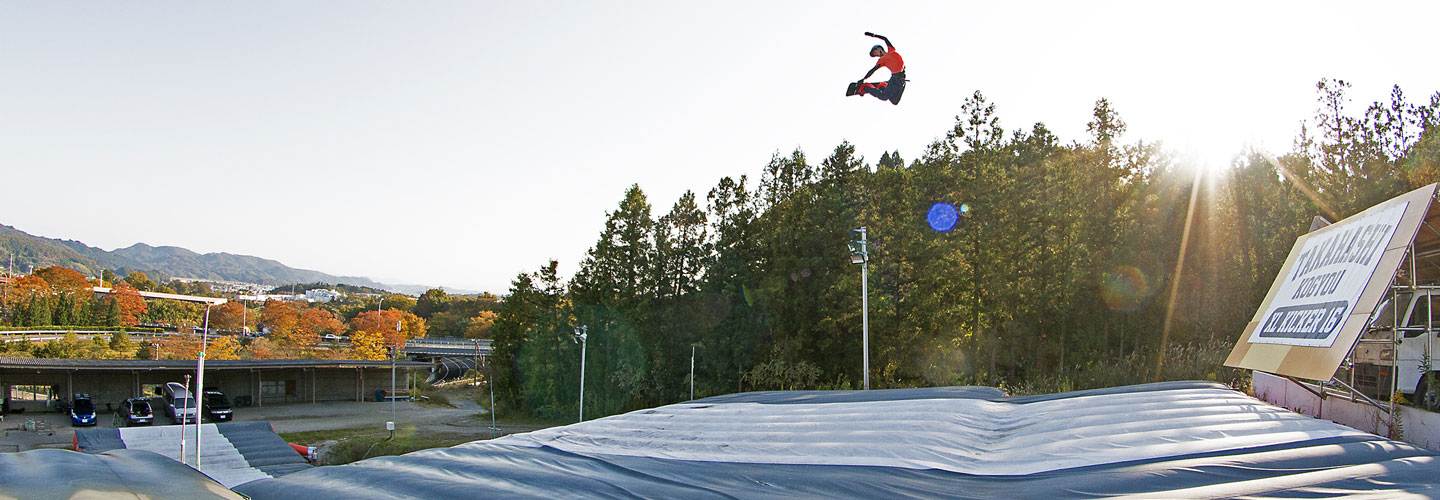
(184, 407)
(394, 353)
(581, 334)
(200, 382)
(860, 254)
(692, 370)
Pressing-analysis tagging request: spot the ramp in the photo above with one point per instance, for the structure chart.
(1169, 440)
(113, 474)
(231, 453)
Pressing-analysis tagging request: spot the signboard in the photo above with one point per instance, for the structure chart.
(1330, 283)
(1327, 279)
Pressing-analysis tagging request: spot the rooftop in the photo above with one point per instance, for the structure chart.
(228, 364)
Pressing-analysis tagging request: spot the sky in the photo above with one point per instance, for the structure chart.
(459, 143)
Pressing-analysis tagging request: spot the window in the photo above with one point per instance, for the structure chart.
(277, 388)
(148, 390)
(40, 393)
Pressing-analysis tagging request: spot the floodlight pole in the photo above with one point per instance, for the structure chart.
(692, 372)
(581, 334)
(860, 254)
(394, 353)
(200, 382)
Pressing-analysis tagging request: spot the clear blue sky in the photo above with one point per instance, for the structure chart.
(460, 143)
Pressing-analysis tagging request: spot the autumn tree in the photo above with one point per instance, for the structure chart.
(229, 316)
(480, 325)
(225, 347)
(384, 323)
(296, 325)
(368, 345)
(130, 306)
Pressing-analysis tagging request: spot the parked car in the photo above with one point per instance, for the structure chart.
(332, 337)
(137, 411)
(217, 406)
(82, 411)
(179, 406)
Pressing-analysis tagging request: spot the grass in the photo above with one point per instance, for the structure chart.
(365, 442)
(359, 443)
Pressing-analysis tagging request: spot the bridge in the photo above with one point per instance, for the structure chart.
(436, 347)
(214, 301)
(451, 357)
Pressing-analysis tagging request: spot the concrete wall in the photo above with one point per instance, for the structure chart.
(114, 386)
(1419, 427)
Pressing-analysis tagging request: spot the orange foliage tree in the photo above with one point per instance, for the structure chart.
(479, 327)
(383, 323)
(180, 347)
(131, 304)
(228, 316)
(223, 348)
(64, 280)
(27, 286)
(368, 345)
(296, 325)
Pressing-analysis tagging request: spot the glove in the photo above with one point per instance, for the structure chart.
(867, 33)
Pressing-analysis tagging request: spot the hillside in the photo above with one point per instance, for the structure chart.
(166, 262)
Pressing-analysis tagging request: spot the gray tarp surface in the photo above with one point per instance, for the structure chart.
(1171, 440)
(46, 474)
(234, 452)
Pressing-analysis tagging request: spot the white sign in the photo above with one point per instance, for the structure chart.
(1327, 279)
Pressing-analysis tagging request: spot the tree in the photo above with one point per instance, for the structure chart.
(140, 281)
(130, 306)
(384, 323)
(223, 348)
(432, 301)
(480, 325)
(295, 325)
(228, 316)
(120, 341)
(368, 345)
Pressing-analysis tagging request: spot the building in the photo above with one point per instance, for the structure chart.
(322, 295)
(37, 384)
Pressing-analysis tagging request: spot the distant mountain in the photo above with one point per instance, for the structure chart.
(167, 262)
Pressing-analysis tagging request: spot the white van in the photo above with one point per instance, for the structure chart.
(179, 404)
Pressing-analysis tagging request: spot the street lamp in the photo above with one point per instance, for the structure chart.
(580, 337)
(860, 254)
(200, 381)
(692, 370)
(394, 353)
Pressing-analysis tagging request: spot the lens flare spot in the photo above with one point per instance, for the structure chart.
(749, 299)
(942, 216)
(1124, 288)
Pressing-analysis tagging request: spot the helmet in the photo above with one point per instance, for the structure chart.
(877, 47)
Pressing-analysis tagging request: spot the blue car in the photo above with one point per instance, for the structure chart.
(82, 411)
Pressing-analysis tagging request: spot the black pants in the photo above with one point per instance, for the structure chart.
(892, 89)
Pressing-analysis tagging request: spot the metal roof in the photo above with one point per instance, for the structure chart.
(229, 364)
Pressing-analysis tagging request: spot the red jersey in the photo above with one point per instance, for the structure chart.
(891, 60)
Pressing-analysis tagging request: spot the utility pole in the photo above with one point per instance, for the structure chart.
(394, 353)
(183, 407)
(581, 334)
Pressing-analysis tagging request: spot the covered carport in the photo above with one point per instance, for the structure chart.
(35, 384)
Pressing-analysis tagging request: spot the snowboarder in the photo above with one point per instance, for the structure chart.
(889, 59)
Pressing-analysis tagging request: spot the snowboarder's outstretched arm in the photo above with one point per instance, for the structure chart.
(871, 72)
(883, 39)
